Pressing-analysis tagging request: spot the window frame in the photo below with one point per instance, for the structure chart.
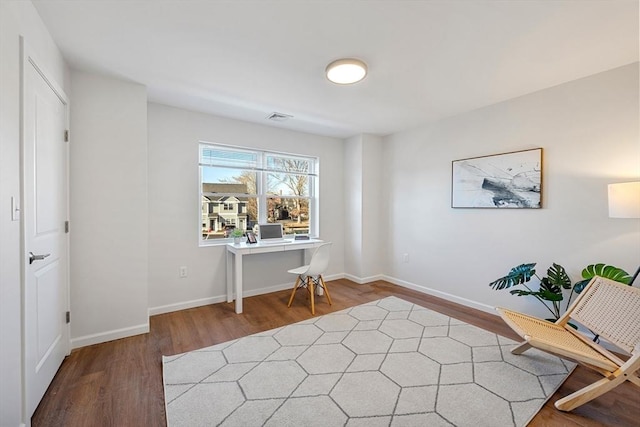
(262, 172)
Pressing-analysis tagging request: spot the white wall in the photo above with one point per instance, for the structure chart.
(353, 168)
(589, 131)
(16, 19)
(364, 205)
(109, 213)
(174, 207)
(374, 223)
(135, 207)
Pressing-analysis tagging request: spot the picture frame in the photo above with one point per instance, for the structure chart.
(510, 180)
(251, 238)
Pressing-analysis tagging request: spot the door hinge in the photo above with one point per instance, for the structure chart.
(68, 316)
(66, 226)
(66, 136)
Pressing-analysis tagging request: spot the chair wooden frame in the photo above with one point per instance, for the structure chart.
(310, 283)
(609, 309)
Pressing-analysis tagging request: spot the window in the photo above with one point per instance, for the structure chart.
(242, 187)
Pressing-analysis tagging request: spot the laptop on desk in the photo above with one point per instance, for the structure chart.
(270, 233)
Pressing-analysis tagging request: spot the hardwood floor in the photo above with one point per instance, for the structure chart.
(119, 383)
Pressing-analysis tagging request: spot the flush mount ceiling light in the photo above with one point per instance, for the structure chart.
(346, 71)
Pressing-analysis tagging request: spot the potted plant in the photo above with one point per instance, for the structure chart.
(552, 286)
(237, 233)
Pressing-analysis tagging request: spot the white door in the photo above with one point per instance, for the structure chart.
(46, 333)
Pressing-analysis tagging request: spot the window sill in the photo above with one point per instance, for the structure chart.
(217, 242)
(223, 242)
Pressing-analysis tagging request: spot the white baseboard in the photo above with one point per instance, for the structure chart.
(284, 286)
(453, 298)
(109, 336)
(363, 280)
(334, 277)
(185, 305)
(222, 298)
(142, 329)
(440, 294)
(261, 291)
(425, 290)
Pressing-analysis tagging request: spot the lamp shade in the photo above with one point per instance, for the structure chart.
(624, 200)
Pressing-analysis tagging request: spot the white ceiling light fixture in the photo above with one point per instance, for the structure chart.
(346, 71)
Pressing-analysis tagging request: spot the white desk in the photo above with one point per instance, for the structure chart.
(236, 252)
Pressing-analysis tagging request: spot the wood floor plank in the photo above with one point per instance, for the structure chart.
(119, 383)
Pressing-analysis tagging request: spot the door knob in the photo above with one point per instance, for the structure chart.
(33, 257)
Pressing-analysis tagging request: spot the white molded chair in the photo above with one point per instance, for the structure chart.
(611, 310)
(311, 275)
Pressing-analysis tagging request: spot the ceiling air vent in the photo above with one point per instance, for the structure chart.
(279, 117)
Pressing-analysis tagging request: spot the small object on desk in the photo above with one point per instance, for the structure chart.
(301, 237)
(251, 238)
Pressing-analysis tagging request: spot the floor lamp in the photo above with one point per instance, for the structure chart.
(624, 202)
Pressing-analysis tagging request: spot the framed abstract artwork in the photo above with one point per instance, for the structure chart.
(501, 181)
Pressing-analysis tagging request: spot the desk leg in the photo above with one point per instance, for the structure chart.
(238, 268)
(229, 276)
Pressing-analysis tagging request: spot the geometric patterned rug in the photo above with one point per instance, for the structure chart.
(385, 363)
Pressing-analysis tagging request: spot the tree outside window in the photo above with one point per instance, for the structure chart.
(267, 187)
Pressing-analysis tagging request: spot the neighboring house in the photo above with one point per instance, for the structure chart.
(223, 210)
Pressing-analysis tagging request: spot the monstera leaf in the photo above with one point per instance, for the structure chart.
(602, 270)
(544, 294)
(549, 290)
(558, 276)
(516, 276)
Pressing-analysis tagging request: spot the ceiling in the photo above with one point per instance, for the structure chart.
(428, 60)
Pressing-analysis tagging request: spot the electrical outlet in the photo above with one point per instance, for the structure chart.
(405, 258)
(182, 272)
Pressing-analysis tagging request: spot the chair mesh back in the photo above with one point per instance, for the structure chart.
(612, 310)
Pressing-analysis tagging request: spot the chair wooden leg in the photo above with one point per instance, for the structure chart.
(310, 287)
(524, 346)
(293, 292)
(324, 286)
(634, 379)
(588, 393)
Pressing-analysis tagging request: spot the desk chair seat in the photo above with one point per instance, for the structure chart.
(607, 308)
(311, 275)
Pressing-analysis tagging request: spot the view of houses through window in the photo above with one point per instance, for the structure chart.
(242, 187)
